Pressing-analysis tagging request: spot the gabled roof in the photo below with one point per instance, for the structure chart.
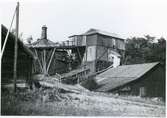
(42, 43)
(121, 75)
(97, 31)
(20, 43)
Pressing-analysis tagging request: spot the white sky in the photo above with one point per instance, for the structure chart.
(63, 18)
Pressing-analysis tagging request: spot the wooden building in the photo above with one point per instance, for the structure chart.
(100, 48)
(24, 59)
(50, 58)
(146, 80)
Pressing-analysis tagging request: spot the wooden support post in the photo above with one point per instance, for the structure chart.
(34, 67)
(38, 60)
(44, 63)
(77, 76)
(51, 59)
(16, 47)
(79, 54)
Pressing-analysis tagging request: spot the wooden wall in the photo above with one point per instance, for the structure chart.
(153, 84)
(24, 61)
(97, 48)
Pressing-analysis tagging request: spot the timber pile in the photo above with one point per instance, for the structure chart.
(53, 82)
(63, 87)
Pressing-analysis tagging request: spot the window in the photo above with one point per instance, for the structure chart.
(114, 43)
(84, 40)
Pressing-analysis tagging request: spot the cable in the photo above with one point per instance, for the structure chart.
(4, 45)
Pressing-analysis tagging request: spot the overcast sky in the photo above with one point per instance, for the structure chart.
(63, 18)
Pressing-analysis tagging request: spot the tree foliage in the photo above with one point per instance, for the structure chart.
(145, 50)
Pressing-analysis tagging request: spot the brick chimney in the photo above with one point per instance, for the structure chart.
(44, 32)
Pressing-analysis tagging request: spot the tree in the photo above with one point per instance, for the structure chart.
(145, 50)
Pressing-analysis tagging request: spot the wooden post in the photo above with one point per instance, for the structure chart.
(38, 60)
(16, 47)
(77, 76)
(42, 59)
(80, 58)
(51, 59)
(33, 66)
(86, 49)
(44, 63)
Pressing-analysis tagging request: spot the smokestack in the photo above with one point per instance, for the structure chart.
(44, 32)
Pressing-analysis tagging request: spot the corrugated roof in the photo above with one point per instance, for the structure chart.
(122, 75)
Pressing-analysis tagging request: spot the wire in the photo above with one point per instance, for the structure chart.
(4, 45)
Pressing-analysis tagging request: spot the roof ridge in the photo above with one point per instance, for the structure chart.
(141, 63)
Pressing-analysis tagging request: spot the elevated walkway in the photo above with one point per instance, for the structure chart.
(62, 45)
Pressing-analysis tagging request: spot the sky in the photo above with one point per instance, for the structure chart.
(127, 18)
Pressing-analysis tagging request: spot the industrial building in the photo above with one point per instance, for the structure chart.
(82, 54)
(50, 60)
(102, 49)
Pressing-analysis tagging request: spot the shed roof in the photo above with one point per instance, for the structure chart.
(121, 75)
(20, 43)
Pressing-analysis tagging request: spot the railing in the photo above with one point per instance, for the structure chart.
(67, 43)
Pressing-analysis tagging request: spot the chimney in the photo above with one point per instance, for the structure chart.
(44, 32)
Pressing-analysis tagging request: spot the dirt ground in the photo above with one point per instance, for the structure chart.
(79, 104)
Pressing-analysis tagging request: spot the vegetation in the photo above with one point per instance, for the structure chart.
(39, 102)
(145, 50)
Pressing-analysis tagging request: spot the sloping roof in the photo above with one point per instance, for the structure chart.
(42, 43)
(20, 43)
(121, 75)
(97, 31)
(94, 31)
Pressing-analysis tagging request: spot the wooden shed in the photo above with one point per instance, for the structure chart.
(24, 60)
(146, 80)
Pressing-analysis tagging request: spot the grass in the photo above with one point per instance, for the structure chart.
(46, 102)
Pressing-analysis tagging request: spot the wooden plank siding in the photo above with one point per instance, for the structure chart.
(153, 83)
(24, 62)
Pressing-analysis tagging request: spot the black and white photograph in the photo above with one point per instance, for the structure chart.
(83, 58)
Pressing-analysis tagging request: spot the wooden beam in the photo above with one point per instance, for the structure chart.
(44, 62)
(79, 54)
(38, 60)
(34, 67)
(16, 47)
(51, 59)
